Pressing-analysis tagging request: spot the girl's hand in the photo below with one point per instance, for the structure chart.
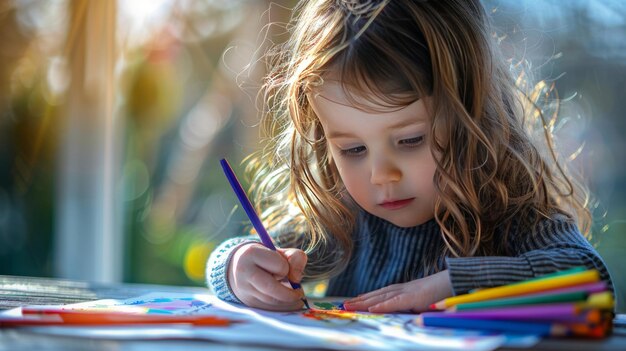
(255, 274)
(414, 296)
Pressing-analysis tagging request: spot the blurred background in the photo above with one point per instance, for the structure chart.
(113, 116)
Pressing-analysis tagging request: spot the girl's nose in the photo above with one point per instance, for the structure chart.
(385, 171)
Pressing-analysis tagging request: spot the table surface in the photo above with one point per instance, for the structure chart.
(18, 291)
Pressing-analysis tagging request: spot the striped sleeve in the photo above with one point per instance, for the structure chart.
(558, 245)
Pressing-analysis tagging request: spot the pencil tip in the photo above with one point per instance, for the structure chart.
(306, 303)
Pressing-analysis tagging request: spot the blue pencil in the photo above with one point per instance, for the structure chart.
(254, 218)
(536, 328)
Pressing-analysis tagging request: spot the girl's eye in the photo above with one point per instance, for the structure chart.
(355, 151)
(412, 142)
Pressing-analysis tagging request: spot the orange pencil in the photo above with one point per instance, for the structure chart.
(596, 331)
(75, 318)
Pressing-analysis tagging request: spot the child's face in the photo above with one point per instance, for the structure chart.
(383, 158)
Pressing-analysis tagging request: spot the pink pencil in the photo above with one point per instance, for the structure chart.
(589, 288)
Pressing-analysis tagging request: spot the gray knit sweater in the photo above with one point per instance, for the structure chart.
(385, 254)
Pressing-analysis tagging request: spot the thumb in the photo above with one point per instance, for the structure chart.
(297, 260)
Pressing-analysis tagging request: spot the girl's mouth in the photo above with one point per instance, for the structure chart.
(396, 204)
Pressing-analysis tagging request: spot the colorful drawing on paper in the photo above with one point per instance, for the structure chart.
(332, 315)
(329, 305)
(333, 312)
(147, 304)
(170, 305)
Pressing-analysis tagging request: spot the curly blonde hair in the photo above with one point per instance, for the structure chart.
(489, 173)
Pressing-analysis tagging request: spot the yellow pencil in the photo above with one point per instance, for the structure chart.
(535, 285)
(603, 300)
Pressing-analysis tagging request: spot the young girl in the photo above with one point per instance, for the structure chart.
(399, 166)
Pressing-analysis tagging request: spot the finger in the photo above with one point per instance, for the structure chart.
(270, 261)
(272, 291)
(271, 304)
(402, 301)
(254, 298)
(364, 301)
(399, 302)
(297, 260)
(374, 294)
(365, 304)
(242, 266)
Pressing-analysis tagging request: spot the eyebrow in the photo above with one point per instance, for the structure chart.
(336, 134)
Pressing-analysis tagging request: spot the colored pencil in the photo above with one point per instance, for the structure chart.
(74, 318)
(536, 328)
(252, 215)
(561, 273)
(599, 330)
(521, 288)
(569, 294)
(41, 310)
(536, 299)
(601, 300)
(589, 288)
(549, 275)
(572, 293)
(562, 312)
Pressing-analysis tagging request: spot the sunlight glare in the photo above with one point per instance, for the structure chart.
(142, 17)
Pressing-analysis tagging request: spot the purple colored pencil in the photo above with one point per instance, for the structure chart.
(546, 312)
(589, 288)
(254, 218)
